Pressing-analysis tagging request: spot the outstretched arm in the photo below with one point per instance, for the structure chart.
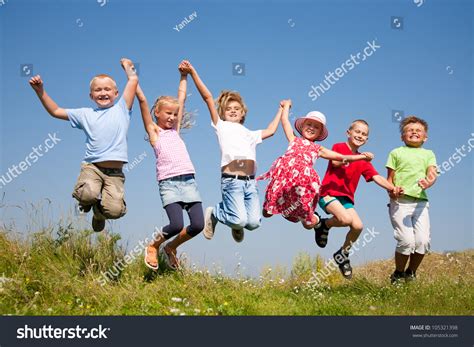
(384, 183)
(205, 93)
(273, 126)
(131, 86)
(331, 155)
(285, 123)
(183, 83)
(150, 127)
(50, 106)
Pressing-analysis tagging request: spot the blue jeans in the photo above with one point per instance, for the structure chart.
(240, 206)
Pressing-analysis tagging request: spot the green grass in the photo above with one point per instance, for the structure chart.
(44, 274)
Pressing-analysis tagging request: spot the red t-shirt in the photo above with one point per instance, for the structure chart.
(343, 180)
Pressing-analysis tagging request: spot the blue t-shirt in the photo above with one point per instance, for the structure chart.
(105, 129)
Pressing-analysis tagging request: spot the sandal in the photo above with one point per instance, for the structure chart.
(169, 258)
(321, 233)
(344, 264)
(148, 265)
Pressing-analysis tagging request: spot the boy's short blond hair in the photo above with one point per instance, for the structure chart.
(411, 120)
(102, 76)
(227, 96)
(361, 121)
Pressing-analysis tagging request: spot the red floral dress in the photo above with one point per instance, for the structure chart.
(293, 189)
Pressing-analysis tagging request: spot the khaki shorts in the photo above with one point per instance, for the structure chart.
(104, 187)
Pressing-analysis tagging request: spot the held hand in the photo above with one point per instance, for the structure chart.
(127, 65)
(368, 156)
(185, 66)
(424, 183)
(37, 84)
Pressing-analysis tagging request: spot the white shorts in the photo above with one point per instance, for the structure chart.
(411, 223)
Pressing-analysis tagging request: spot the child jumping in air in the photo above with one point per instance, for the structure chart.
(338, 189)
(294, 185)
(100, 185)
(414, 169)
(240, 206)
(174, 173)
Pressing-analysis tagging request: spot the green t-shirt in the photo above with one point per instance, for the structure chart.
(410, 165)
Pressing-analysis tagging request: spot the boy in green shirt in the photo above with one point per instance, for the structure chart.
(414, 169)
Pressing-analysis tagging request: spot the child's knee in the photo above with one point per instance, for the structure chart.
(344, 219)
(86, 193)
(357, 227)
(422, 244)
(114, 209)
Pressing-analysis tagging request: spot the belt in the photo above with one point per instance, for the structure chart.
(179, 177)
(238, 177)
(109, 171)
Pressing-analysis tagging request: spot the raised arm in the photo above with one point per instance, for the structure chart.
(183, 84)
(273, 126)
(201, 87)
(50, 106)
(132, 83)
(285, 123)
(150, 127)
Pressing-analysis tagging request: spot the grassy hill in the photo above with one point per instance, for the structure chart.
(44, 274)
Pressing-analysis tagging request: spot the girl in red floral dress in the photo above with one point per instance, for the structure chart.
(293, 190)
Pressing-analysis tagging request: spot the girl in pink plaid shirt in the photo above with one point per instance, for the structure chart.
(174, 173)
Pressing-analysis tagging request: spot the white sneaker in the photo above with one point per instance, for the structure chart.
(238, 235)
(209, 223)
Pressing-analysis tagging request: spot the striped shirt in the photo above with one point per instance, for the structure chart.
(172, 158)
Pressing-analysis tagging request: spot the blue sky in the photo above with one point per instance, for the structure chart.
(423, 68)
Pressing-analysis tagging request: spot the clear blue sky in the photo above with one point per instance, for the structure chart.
(286, 46)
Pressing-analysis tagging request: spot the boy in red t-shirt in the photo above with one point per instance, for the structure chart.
(337, 193)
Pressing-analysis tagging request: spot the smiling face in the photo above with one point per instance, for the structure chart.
(311, 129)
(357, 135)
(167, 115)
(103, 91)
(414, 134)
(233, 112)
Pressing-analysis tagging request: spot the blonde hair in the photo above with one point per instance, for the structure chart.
(102, 76)
(410, 120)
(358, 121)
(187, 121)
(227, 96)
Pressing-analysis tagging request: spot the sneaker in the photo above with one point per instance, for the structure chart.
(321, 233)
(83, 209)
(397, 277)
(342, 260)
(209, 223)
(98, 221)
(238, 235)
(410, 275)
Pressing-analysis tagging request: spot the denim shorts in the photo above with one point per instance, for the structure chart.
(181, 188)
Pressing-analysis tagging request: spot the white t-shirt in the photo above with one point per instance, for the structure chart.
(236, 141)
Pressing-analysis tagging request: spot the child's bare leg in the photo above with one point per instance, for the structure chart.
(415, 261)
(314, 222)
(266, 214)
(356, 227)
(171, 247)
(341, 217)
(401, 261)
(152, 250)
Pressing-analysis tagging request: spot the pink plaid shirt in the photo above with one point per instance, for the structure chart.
(172, 158)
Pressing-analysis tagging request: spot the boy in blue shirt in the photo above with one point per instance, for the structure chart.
(100, 185)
